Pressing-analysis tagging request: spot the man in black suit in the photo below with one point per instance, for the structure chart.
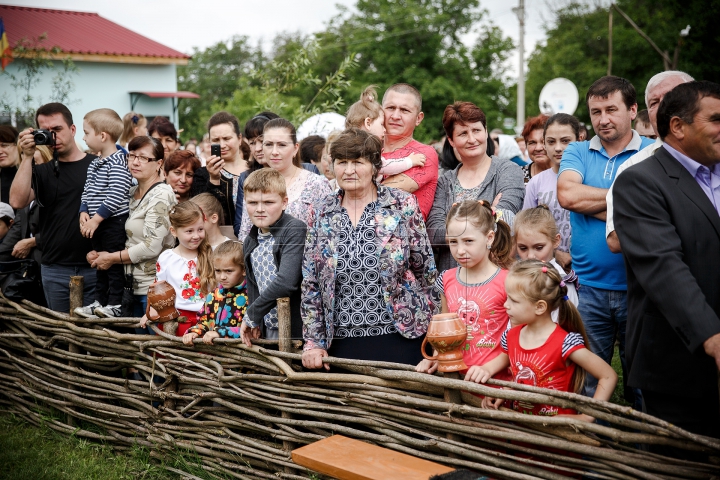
(667, 220)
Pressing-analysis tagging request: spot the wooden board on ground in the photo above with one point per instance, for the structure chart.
(348, 459)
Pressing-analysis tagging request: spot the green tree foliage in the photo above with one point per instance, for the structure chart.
(34, 60)
(577, 45)
(380, 42)
(215, 73)
(240, 78)
(420, 42)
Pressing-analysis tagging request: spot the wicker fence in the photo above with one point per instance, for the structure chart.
(242, 410)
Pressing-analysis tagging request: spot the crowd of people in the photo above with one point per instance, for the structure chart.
(370, 233)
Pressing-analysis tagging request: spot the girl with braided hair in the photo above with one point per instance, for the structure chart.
(538, 351)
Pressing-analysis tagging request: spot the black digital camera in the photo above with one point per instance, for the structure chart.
(44, 137)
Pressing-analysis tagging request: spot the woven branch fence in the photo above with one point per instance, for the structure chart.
(241, 410)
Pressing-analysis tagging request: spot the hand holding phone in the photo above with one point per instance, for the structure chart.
(214, 164)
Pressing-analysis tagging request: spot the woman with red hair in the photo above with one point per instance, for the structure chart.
(479, 176)
(533, 135)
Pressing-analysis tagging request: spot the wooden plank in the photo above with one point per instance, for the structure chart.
(348, 459)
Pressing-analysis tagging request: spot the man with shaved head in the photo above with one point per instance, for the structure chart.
(402, 104)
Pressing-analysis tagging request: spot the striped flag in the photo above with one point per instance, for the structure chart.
(5, 50)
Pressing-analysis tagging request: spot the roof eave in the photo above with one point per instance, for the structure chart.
(105, 58)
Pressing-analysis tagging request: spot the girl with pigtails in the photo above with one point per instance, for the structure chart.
(538, 351)
(481, 244)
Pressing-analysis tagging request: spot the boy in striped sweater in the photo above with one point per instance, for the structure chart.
(104, 206)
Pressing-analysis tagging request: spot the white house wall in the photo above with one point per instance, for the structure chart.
(106, 85)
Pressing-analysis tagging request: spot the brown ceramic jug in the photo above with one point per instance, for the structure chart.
(161, 297)
(447, 333)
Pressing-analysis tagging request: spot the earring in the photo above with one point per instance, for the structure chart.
(489, 246)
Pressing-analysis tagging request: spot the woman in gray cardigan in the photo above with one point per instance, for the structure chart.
(478, 177)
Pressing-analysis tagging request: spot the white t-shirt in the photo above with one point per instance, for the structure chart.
(572, 291)
(643, 154)
(182, 274)
(226, 239)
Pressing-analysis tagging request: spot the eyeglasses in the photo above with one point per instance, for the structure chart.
(143, 159)
(7, 145)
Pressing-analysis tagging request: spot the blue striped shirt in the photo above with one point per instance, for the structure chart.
(107, 185)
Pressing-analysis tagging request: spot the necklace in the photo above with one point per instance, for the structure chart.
(292, 178)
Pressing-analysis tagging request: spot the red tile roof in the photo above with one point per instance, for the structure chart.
(80, 33)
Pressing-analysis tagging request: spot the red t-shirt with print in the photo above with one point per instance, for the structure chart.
(547, 366)
(481, 307)
(426, 176)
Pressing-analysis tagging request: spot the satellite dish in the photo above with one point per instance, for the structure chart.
(321, 124)
(559, 95)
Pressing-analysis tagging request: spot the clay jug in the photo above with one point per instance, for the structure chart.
(447, 333)
(161, 297)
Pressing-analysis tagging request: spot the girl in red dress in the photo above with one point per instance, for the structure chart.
(538, 351)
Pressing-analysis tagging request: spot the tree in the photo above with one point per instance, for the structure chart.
(420, 42)
(215, 73)
(241, 79)
(577, 45)
(382, 42)
(33, 60)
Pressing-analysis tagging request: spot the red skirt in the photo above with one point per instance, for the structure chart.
(183, 327)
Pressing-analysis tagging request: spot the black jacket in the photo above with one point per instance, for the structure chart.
(288, 253)
(670, 237)
(223, 192)
(25, 225)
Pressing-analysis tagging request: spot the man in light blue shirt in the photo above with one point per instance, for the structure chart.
(586, 173)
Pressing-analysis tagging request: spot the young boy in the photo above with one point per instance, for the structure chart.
(273, 256)
(104, 207)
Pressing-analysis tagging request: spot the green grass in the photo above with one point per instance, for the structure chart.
(29, 452)
(617, 396)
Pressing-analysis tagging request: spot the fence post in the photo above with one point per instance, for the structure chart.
(452, 396)
(77, 285)
(285, 345)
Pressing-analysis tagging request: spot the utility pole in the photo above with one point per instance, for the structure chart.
(520, 12)
(610, 42)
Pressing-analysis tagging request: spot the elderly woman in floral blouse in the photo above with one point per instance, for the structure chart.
(368, 269)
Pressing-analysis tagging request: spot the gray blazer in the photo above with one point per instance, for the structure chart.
(503, 176)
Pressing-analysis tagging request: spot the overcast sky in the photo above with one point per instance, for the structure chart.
(184, 24)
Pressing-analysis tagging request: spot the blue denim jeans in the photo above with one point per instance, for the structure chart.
(56, 284)
(139, 311)
(604, 314)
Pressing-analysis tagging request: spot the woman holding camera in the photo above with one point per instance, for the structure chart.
(221, 175)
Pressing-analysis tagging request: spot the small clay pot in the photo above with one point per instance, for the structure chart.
(161, 297)
(447, 334)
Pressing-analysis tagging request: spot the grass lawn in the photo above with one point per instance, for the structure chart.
(617, 396)
(28, 452)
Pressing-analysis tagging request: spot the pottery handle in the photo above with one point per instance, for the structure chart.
(147, 313)
(422, 350)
